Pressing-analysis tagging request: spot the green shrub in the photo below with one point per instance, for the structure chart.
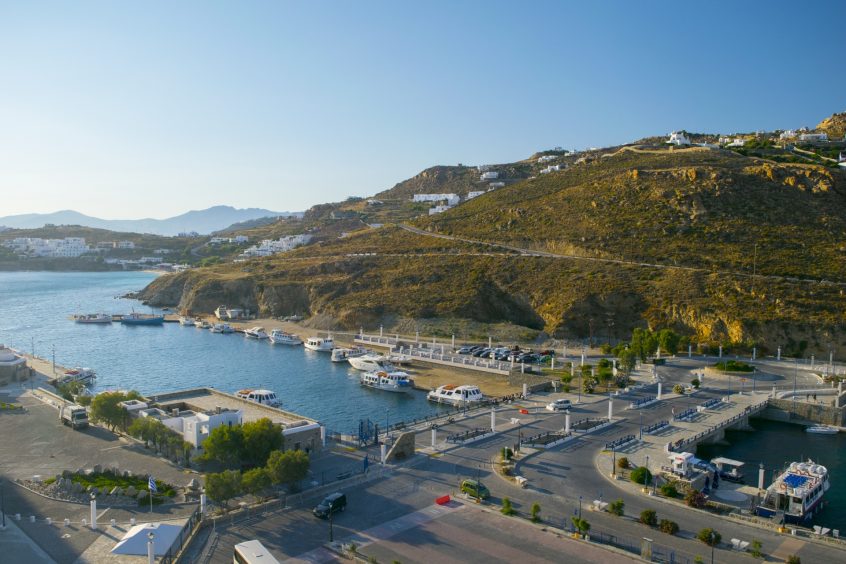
(622, 463)
(536, 510)
(755, 548)
(733, 366)
(669, 490)
(695, 383)
(507, 508)
(694, 498)
(709, 536)
(793, 559)
(678, 389)
(641, 475)
(649, 517)
(616, 507)
(580, 524)
(669, 527)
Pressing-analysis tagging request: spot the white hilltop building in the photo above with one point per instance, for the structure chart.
(678, 138)
(495, 185)
(69, 247)
(450, 199)
(547, 158)
(788, 134)
(552, 168)
(438, 209)
(813, 137)
(474, 194)
(489, 175)
(269, 247)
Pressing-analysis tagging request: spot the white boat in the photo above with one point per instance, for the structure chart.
(343, 355)
(223, 328)
(186, 321)
(318, 344)
(386, 381)
(263, 397)
(456, 395)
(84, 375)
(201, 324)
(822, 429)
(797, 493)
(399, 359)
(280, 337)
(370, 362)
(93, 318)
(255, 333)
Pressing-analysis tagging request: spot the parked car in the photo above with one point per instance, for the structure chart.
(331, 504)
(475, 488)
(559, 405)
(481, 352)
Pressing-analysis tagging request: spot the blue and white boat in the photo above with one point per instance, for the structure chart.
(797, 493)
(386, 381)
(141, 319)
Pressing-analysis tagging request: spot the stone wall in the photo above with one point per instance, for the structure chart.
(785, 410)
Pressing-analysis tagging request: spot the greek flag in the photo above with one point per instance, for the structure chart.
(151, 484)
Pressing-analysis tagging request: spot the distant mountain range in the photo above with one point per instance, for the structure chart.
(202, 221)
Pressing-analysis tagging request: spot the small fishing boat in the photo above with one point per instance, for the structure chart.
(343, 355)
(255, 333)
(320, 345)
(202, 324)
(223, 328)
(141, 319)
(386, 381)
(280, 337)
(822, 430)
(186, 321)
(93, 318)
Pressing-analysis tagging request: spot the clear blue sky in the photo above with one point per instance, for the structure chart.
(125, 110)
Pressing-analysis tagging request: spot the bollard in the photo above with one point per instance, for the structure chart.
(434, 437)
(17, 516)
(778, 354)
(32, 518)
(659, 391)
(567, 422)
(93, 513)
(610, 408)
(384, 452)
(84, 523)
(132, 521)
(66, 522)
(761, 476)
(113, 522)
(493, 419)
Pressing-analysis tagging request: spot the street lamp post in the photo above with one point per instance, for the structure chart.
(151, 552)
(711, 539)
(641, 425)
(386, 424)
(3, 504)
(613, 461)
(331, 532)
(580, 507)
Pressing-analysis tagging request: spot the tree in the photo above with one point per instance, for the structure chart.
(669, 527)
(648, 517)
(536, 510)
(580, 524)
(628, 360)
(260, 439)
(105, 408)
(641, 475)
(695, 383)
(617, 507)
(507, 508)
(256, 482)
(224, 444)
(669, 490)
(668, 340)
(223, 486)
(709, 536)
(623, 463)
(287, 467)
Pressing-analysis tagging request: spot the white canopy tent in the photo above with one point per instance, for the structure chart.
(134, 542)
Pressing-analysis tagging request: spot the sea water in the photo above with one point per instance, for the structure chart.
(36, 309)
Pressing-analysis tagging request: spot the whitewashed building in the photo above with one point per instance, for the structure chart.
(125, 245)
(194, 426)
(678, 138)
(269, 247)
(495, 185)
(450, 199)
(475, 193)
(490, 175)
(551, 168)
(813, 137)
(438, 209)
(547, 158)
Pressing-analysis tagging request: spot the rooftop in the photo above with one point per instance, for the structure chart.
(209, 399)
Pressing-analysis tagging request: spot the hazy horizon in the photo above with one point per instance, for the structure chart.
(161, 108)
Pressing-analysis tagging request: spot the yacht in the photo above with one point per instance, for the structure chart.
(318, 344)
(456, 395)
(399, 359)
(202, 324)
(797, 493)
(84, 375)
(343, 355)
(370, 362)
(224, 328)
(93, 318)
(141, 319)
(255, 333)
(263, 397)
(386, 381)
(822, 430)
(186, 321)
(280, 337)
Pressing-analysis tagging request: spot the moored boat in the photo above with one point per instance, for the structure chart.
(93, 318)
(822, 430)
(84, 375)
(255, 333)
(370, 362)
(141, 319)
(263, 397)
(343, 355)
(202, 324)
(456, 395)
(223, 328)
(280, 337)
(186, 321)
(797, 493)
(319, 344)
(386, 381)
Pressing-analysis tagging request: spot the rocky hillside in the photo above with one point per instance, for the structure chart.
(717, 245)
(835, 126)
(454, 180)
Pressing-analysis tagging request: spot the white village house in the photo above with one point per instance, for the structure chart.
(490, 175)
(678, 138)
(450, 199)
(194, 426)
